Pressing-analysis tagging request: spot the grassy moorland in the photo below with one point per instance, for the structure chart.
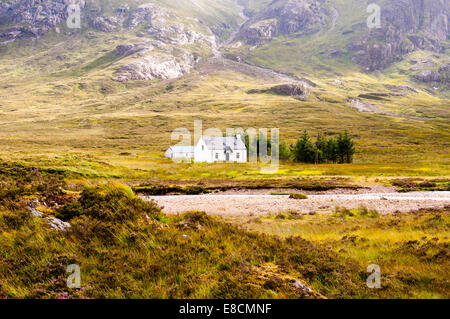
(67, 130)
(59, 106)
(411, 249)
(128, 248)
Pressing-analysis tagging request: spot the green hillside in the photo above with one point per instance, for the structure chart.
(58, 95)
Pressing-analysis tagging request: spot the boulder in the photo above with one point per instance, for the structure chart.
(53, 222)
(289, 90)
(294, 90)
(285, 17)
(428, 76)
(106, 24)
(154, 67)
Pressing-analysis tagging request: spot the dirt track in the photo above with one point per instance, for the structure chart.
(262, 204)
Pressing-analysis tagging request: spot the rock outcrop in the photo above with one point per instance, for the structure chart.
(106, 23)
(289, 89)
(34, 17)
(155, 67)
(53, 222)
(441, 75)
(160, 30)
(428, 76)
(285, 17)
(37, 17)
(406, 26)
(298, 91)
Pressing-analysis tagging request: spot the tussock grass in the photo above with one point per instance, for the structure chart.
(298, 196)
(127, 248)
(412, 249)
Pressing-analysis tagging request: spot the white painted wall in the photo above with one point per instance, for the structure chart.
(203, 155)
(178, 155)
(169, 153)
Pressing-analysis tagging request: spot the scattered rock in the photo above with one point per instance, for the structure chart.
(285, 17)
(53, 222)
(428, 76)
(155, 67)
(301, 287)
(106, 23)
(294, 90)
(364, 106)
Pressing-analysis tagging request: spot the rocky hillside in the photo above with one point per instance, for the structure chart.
(32, 18)
(285, 17)
(164, 43)
(156, 39)
(406, 26)
(138, 69)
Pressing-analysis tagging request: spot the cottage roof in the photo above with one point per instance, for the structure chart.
(223, 143)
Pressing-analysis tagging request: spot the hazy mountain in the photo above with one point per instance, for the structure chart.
(162, 26)
(197, 56)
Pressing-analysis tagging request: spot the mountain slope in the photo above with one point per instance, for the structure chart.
(136, 70)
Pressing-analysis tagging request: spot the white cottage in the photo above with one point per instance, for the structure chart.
(180, 152)
(220, 149)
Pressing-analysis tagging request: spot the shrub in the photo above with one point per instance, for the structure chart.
(197, 218)
(343, 212)
(298, 196)
(69, 211)
(194, 190)
(362, 211)
(365, 212)
(113, 202)
(280, 216)
(15, 220)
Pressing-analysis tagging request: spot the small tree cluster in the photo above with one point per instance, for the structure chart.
(323, 150)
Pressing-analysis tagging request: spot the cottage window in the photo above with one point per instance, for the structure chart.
(238, 155)
(203, 147)
(217, 155)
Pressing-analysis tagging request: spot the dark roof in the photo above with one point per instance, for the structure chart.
(222, 143)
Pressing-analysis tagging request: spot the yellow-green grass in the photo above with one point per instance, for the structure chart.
(141, 120)
(410, 247)
(154, 165)
(59, 101)
(127, 248)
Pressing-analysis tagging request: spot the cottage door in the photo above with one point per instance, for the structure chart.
(228, 157)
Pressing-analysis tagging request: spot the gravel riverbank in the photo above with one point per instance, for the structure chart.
(236, 204)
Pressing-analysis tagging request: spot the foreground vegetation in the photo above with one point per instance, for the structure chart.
(128, 248)
(412, 249)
